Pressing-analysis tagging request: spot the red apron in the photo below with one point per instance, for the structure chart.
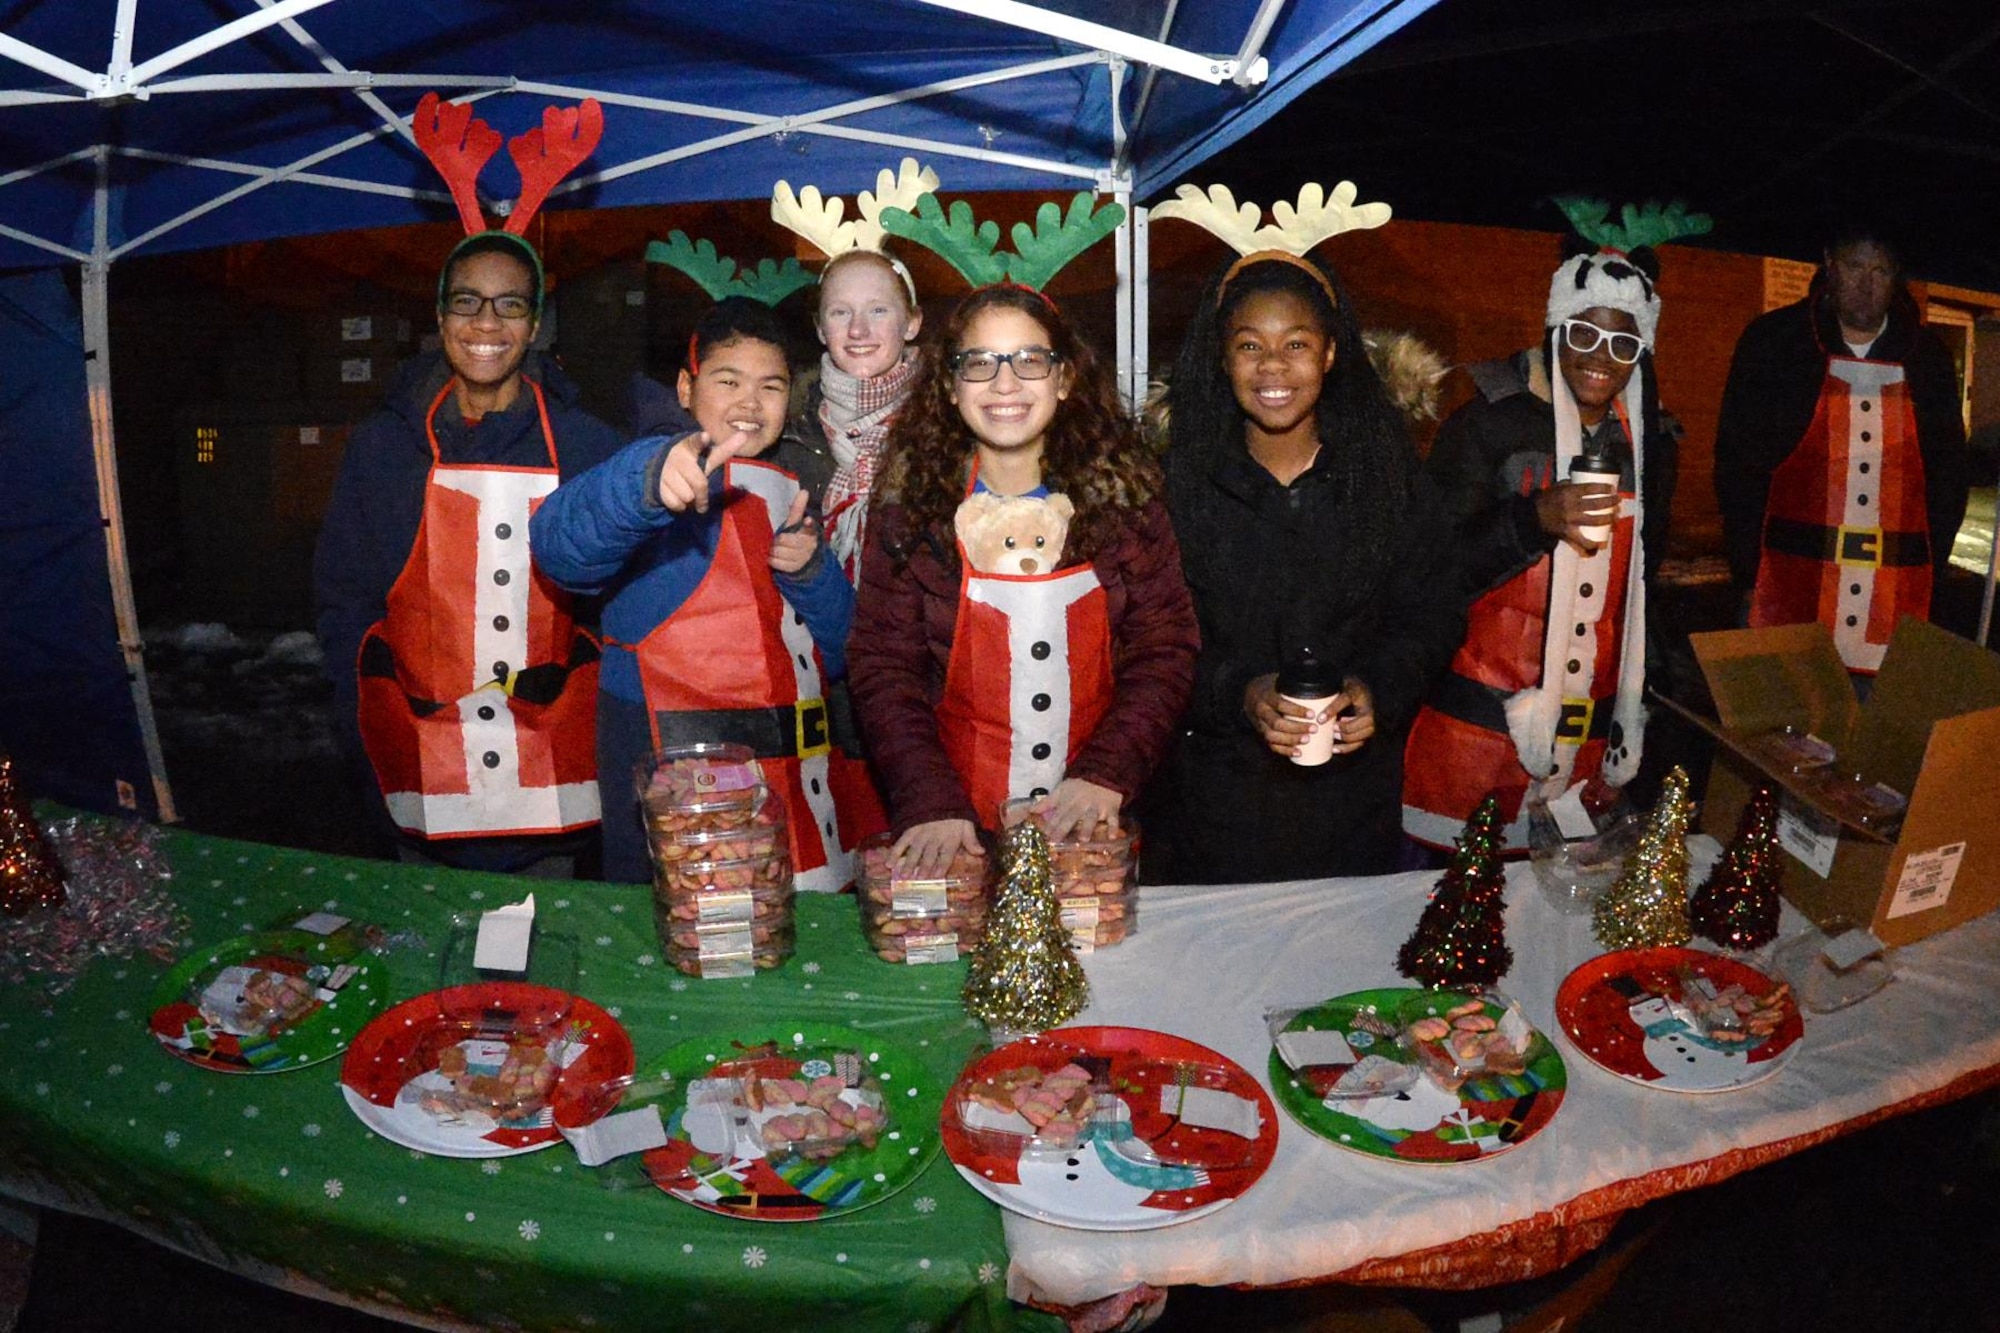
(1028, 681)
(1846, 533)
(478, 688)
(735, 663)
(1459, 747)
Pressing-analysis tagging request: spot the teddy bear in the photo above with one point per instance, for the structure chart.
(1013, 534)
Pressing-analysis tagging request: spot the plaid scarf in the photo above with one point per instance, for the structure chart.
(854, 414)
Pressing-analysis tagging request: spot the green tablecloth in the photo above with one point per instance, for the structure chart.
(273, 1176)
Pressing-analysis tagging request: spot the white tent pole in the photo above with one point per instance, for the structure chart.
(104, 447)
(13, 48)
(80, 155)
(942, 149)
(270, 177)
(296, 31)
(122, 28)
(233, 31)
(1121, 241)
(1115, 41)
(17, 98)
(347, 79)
(1253, 42)
(13, 234)
(304, 177)
(1142, 298)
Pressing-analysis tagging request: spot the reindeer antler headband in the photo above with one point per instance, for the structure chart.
(818, 218)
(1608, 278)
(972, 247)
(1318, 216)
(459, 145)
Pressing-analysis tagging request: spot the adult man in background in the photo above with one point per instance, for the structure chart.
(1840, 460)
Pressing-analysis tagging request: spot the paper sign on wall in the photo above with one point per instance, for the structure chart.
(1926, 880)
(1808, 835)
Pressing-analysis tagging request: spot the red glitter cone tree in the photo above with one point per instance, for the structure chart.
(1460, 939)
(1737, 905)
(30, 875)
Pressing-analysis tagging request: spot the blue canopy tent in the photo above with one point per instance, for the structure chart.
(143, 126)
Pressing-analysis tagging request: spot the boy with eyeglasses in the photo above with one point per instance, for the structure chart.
(464, 681)
(1544, 695)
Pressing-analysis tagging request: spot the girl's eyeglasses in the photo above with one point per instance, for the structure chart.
(467, 305)
(978, 365)
(1580, 335)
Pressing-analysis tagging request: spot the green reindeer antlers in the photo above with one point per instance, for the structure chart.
(1040, 251)
(770, 282)
(1650, 224)
(966, 246)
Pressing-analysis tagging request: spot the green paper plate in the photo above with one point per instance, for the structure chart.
(1487, 1115)
(732, 1174)
(266, 1002)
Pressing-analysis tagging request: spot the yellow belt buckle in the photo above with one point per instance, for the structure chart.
(1859, 546)
(812, 738)
(1573, 725)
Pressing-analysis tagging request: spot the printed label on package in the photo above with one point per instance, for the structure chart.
(722, 941)
(725, 969)
(1926, 880)
(1079, 918)
(931, 948)
(1811, 837)
(917, 897)
(725, 909)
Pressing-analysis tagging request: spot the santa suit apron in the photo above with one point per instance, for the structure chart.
(735, 663)
(1846, 535)
(477, 687)
(1460, 746)
(1028, 681)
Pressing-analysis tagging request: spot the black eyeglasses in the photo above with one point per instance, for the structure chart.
(467, 305)
(979, 365)
(1580, 335)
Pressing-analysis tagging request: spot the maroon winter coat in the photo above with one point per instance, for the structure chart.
(905, 613)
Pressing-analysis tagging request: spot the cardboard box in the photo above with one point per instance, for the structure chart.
(1930, 730)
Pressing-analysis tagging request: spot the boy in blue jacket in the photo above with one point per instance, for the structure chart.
(723, 618)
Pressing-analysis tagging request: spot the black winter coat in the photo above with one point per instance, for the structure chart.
(1267, 564)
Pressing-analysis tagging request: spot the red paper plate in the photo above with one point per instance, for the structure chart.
(1138, 1166)
(1627, 1012)
(392, 1080)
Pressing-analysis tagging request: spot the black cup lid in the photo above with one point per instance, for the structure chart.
(1310, 677)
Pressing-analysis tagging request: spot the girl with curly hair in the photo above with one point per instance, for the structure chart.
(1307, 530)
(1060, 685)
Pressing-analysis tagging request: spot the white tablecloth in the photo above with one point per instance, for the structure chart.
(1207, 963)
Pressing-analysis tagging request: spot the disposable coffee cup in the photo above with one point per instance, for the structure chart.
(1589, 471)
(1310, 683)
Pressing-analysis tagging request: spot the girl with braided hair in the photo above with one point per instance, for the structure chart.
(1306, 527)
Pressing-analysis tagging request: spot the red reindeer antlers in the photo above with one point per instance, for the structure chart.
(567, 135)
(460, 145)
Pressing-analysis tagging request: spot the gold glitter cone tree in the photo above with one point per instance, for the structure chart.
(30, 875)
(1024, 975)
(1461, 937)
(1648, 904)
(1737, 906)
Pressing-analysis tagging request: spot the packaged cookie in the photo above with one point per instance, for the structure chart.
(922, 939)
(928, 919)
(1095, 873)
(735, 949)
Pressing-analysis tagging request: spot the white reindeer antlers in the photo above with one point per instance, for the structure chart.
(818, 218)
(1316, 217)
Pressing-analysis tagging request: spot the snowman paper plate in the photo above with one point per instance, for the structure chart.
(1679, 1019)
(1115, 1129)
(266, 1002)
(486, 1070)
(795, 1124)
(1357, 1083)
